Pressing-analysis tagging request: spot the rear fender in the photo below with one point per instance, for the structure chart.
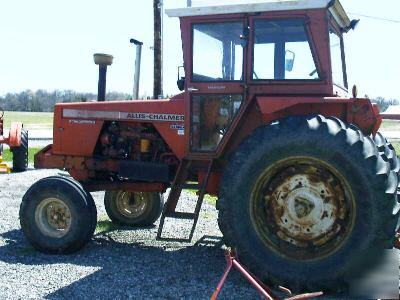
(359, 112)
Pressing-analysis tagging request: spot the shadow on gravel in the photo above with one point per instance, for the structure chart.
(135, 269)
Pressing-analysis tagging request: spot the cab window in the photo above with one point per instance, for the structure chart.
(217, 52)
(282, 51)
(336, 59)
(212, 115)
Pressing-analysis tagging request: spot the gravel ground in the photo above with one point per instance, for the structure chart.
(123, 263)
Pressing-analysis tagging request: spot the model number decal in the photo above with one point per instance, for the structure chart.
(178, 127)
(89, 122)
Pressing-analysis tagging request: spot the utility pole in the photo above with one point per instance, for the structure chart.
(157, 7)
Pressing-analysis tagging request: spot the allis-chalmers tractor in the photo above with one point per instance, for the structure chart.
(17, 140)
(306, 186)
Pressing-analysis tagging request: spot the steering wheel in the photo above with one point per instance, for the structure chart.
(313, 73)
(255, 75)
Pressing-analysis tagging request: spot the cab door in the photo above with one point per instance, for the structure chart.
(215, 81)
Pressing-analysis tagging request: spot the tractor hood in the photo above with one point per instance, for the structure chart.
(81, 123)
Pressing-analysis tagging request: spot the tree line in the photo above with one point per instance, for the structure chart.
(44, 101)
(384, 103)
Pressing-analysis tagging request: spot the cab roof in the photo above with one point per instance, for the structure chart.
(334, 6)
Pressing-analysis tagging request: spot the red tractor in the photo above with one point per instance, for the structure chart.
(18, 141)
(306, 186)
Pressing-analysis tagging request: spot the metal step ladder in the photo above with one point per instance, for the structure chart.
(180, 183)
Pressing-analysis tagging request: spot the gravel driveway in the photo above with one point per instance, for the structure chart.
(124, 263)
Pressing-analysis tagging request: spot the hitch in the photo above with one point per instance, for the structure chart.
(263, 290)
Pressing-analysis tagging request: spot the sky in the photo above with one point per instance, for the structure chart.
(49, 44)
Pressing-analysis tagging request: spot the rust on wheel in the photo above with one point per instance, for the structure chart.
(302, 208)
(132, 204)
(53, 217)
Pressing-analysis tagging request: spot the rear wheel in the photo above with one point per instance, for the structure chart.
(133, 208)
(57, 216)
(20, 153)
(310, 204)
(387, 151)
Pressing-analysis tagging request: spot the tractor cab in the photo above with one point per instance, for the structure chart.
(234, 53)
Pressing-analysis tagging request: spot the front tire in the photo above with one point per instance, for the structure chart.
(57, 216)
(310, 203)
(20, 153)
(133, 208)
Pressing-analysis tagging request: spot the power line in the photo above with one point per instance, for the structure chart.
(376, 18)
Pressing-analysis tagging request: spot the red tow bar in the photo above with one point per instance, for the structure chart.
(397, 241)
(264, 291)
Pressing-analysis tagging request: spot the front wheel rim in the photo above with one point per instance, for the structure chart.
(53, 217)
(302, 208)
(132, 204)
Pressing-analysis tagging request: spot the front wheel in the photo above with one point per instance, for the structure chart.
(57, 215)
(133, 208)
(20, 153)
(305, 202)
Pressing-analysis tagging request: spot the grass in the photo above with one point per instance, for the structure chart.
(31, 120)
(7, 155)
(397, 148)
(390, 125)
(210, 199)
(105, 225)
(26, 251)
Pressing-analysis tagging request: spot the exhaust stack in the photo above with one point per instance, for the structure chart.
(103, 61)
(138, 59)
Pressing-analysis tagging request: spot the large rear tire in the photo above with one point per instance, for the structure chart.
(133, 208)
(20, 153)
(305, 202)
(57, 215)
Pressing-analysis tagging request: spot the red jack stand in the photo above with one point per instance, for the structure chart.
(256, 283)
(397, 241)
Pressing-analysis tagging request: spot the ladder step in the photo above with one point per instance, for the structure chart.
(181, 182)
(181, 215)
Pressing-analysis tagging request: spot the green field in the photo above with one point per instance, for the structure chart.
(7, 155)
(391, 125)
(397, 147)
(31, 120)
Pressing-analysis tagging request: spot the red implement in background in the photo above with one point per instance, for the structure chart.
(14, 136)
(264, 291)
(17, 144)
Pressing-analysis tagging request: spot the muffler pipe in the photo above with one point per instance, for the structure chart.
(103, 61)
(138, 59)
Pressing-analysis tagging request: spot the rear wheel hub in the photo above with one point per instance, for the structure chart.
(302, 208)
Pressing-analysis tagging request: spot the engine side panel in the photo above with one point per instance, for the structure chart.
(77, 126)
